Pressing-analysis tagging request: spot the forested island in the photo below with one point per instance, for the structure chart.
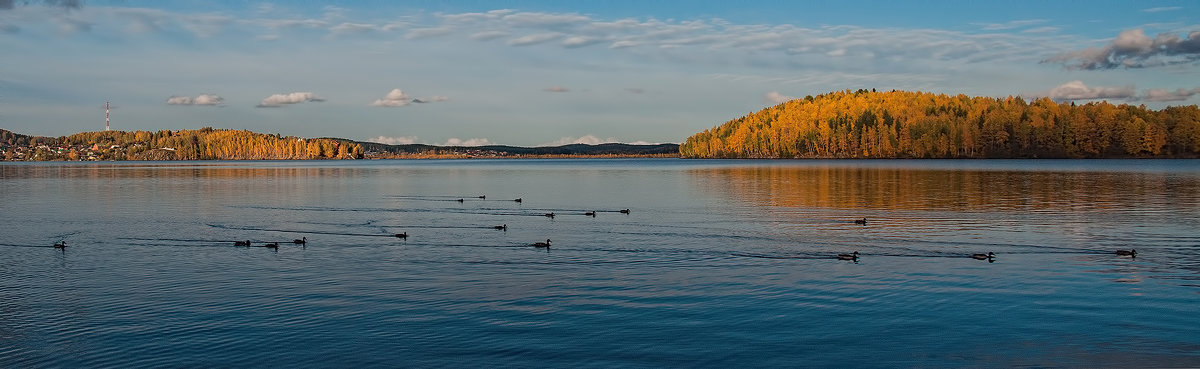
(902, 124)
(224, 144)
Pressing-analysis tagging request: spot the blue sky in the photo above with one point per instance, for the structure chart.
(553, 72)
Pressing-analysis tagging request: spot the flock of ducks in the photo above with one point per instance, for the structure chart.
(854, 256)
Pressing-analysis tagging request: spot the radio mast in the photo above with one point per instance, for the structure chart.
(106, 116)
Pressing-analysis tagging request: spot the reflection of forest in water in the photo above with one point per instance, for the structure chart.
(849, 187)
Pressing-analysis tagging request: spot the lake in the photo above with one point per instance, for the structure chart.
(716, 264)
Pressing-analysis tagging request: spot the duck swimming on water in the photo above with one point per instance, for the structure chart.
(1130, 252)
(517, 199)
(300, 241)
(853, 256)
(549, 215)
(403, 235)
(271, 245)
(623, 211)
(986, 256)
(541, 245)
(63, 244)
(590, 213)
(862, 221)
(241, 243)
(501, 227)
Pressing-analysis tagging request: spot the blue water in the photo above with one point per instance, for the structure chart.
(717, 264)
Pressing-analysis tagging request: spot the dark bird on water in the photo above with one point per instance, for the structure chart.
(862, 221)
(402, 235)
(517, 199)
(460, 200)
(301, 241)
(590, 213)
(63, 244)
(853, 256)
(542, 244)
(986, 256)
(501, 227)
(271, 245)
(548, 215)
(241, 243)
(624, 211)
(483, 196)
(1130, 252)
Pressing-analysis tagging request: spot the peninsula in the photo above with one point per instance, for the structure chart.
(902, 124)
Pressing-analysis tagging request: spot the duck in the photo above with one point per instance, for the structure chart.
(301, 241)
(542, 244)
(623, 211)
(501, 227)
(241, 243)
(1130, 252)
(271, 245)
(63, 244)
(986, 256)
(590, 213)
(862, 221)
(549, 215)
(517, 199)
(403, 235)
(461, 200)
(482, 196)
(853, 256)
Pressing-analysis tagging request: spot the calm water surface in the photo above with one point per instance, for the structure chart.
(717, 264)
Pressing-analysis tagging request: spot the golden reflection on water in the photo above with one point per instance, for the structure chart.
(851, 187)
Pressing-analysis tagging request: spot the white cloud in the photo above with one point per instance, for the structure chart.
(533, 39)
(579, 41)
(774, 97)
(488, 35)
(203, 99)
(278, 100)
(622, 44)
(556, 89)
(352, 28)
(402, 140)
(394, 99)
(468, 142)
(544, 19)
(1077, 90)
(1162, 9)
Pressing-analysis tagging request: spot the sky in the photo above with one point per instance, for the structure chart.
(534, 73)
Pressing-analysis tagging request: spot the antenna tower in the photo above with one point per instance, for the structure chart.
(106, 116)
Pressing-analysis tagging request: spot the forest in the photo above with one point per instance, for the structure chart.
(903, 124)
(202, 144)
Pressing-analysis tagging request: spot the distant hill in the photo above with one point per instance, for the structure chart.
(11, 139)
(607, 149)
(902, 124)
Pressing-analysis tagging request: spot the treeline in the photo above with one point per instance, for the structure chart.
(210, 144)
(901, 124)
(598, 150)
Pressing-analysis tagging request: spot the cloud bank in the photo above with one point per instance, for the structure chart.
(1077, 90)
(1133, 49)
